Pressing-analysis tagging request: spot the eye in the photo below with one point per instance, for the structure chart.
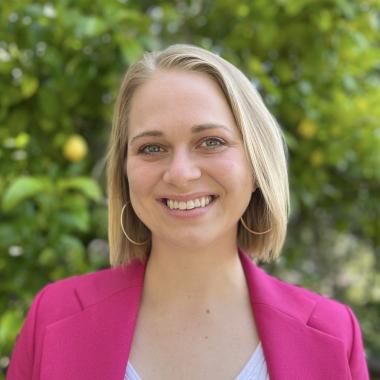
(212, 142)
(150, 149)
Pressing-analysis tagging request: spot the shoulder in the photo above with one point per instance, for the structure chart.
(336, 319)
(314, 314)
(319, 312)
(308, 314)
(68, 296)
(59, 299)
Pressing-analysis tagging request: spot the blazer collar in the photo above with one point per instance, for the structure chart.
(292, 348)
(101, 334)
(95, 342)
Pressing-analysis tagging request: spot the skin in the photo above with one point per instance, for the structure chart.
(194, 283)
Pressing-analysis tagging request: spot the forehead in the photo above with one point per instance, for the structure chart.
(176, 98)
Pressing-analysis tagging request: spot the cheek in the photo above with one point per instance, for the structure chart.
(234, 172)
(141, 177)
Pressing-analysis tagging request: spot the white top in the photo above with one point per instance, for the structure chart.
(255, 369)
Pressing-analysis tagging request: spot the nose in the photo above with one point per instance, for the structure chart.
(181, 169)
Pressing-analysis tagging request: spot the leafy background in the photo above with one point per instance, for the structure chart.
(317, 65)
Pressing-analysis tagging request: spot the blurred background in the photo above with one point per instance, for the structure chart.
(317, 66)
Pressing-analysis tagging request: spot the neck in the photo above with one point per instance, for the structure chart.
(193, 275)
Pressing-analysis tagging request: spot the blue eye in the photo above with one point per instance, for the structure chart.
(212, 142)
(150, 149)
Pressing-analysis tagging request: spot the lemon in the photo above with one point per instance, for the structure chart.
(362, 104)
(317, 158)
(307, 128)
(75, 148)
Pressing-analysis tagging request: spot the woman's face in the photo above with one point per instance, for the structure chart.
(189, 178)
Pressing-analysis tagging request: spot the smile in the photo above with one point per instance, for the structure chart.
(200, 202)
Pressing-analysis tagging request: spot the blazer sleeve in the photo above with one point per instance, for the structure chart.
(22, 360)
(357, 360)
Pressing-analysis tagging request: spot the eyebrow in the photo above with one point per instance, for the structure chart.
(194, 129)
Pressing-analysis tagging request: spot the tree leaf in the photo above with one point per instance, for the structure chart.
(22, 188)
(87, 186)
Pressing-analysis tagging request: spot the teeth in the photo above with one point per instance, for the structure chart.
(189, 205)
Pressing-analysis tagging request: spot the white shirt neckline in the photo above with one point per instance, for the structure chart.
(255, 368)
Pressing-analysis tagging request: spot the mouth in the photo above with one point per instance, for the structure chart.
(195, 203)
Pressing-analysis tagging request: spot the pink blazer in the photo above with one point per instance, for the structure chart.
(82, 328)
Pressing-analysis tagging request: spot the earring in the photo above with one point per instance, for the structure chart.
(122, 227)
(251, 231)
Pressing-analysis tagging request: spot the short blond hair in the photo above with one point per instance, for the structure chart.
(263, 142)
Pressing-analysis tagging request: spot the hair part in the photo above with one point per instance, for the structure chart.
(263, 142)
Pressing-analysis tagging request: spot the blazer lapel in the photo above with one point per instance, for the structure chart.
(95, 342)
(292, 348)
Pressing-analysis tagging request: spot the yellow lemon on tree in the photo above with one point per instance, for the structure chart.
(307, 128)
(75, 148)
(362, 104)
(317, 158)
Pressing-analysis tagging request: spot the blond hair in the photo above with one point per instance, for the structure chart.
(263, 142)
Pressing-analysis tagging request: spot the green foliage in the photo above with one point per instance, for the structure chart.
(317, 67)
(21, 189)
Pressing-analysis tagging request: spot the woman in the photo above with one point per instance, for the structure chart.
(197, 184)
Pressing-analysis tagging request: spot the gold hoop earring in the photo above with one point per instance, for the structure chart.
(122, 227)
(251, 231)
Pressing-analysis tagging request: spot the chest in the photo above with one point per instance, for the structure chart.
(213, 344)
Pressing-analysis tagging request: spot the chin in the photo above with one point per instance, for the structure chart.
(194, 241)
